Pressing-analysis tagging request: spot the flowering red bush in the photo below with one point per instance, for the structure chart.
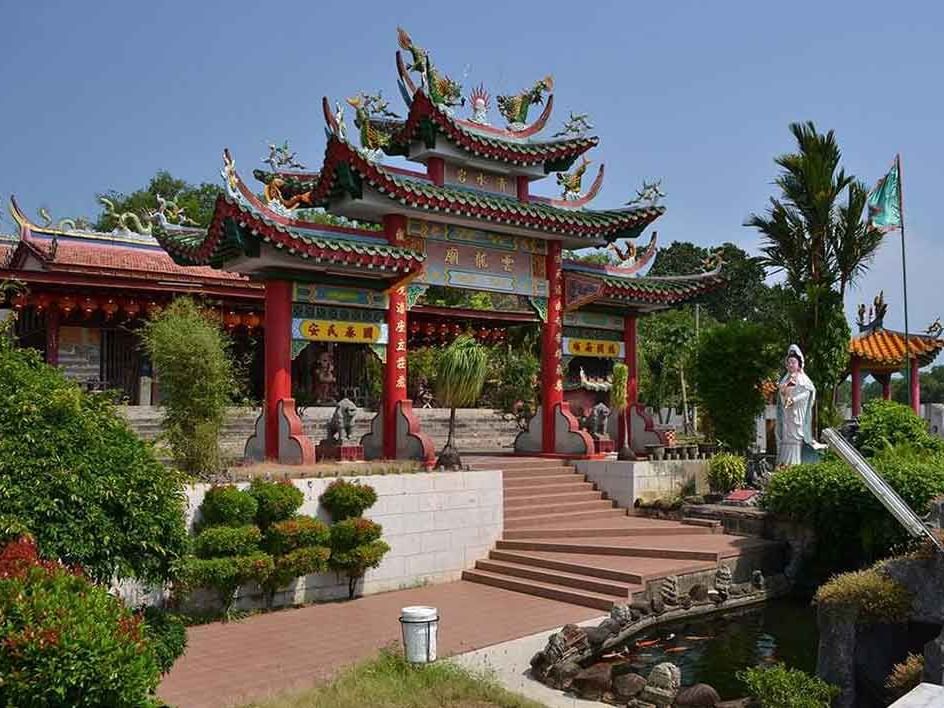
(66, 641)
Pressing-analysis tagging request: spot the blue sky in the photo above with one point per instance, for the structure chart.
(99, 96)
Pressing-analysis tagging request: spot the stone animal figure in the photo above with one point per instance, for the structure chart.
(439, 87)
(128, 221)
(601, 414)
(340, 426)
(515, 107)
(571, 182)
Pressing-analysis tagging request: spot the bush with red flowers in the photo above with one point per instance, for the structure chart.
(65, 641)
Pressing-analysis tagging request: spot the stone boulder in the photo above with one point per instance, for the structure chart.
(627, 686)
(663, 685)
(700, 695)
(593, 682)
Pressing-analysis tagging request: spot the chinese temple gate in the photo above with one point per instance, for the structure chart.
(467, 219)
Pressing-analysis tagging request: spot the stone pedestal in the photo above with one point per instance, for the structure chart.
(343, 452)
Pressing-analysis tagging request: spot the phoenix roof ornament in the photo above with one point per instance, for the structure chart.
(439, 87)
(570, 182)
(576, 125)
(648, 195)
(515, 107)
(281, 156)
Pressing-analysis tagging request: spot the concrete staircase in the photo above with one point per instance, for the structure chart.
(563, 540)
(476, 430)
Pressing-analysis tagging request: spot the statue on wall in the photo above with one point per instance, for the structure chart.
(340, 427)
(325, 380)
(796, 398)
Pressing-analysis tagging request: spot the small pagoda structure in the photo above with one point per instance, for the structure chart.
(467, 218)
(882, 352)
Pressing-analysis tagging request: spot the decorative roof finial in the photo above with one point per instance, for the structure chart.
(127, 221)
(374, 134)
(570, 182)
(935, 328)
(876, 314)
(648, 195)
(439, 87)
(282, 156)
(515, 107)
(62, 224)
(576, 125)
(480, 100)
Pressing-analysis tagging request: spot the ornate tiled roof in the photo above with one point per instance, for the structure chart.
(427, 119)
(235, 225)
(884, 348)
(346, 170)
(662, 290)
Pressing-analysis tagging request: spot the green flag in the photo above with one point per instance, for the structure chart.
(885, 201)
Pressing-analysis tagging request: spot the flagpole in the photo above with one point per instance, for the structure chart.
(904, 278)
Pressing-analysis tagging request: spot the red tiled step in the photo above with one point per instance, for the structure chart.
(540, 499)
(706, 523)
(533, 587)
(528, 522)
(560, 508)
(623, 568)
(542, 479)
(556, 577)
(525, 473)
(616, 525)
(507, 464)
(608, 548)
(547, 487)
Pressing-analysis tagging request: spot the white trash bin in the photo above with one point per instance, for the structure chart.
(420, 625)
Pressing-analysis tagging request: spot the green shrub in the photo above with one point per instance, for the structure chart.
(276, 501)
(12, 528)
(75, 475)
(227, 506)
(345, 500)
(852, 524)
(298, 532)
(875, 596)
(166, 634)
(731, 362)
(885, 424)
(905, 676)
(355, 548)
(67, 642)
(780, 687)
(226, 575)
(295, 564)
(726, 472)
(227, 541)
(191, 355)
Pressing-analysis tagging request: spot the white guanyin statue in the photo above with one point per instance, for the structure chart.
(796, 398)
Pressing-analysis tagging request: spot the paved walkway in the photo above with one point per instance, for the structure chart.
(231, 664)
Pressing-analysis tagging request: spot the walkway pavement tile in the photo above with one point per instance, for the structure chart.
(234, 663)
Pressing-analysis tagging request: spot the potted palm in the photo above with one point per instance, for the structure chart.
(619, 404)
(462, 369)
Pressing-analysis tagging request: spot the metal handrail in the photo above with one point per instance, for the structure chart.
(880, 488)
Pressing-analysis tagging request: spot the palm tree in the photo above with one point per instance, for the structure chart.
(462, 370)
(619, 405)
(807, 234)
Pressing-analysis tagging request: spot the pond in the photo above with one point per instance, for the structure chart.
(713, 649)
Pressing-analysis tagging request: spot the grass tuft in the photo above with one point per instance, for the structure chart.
(388, 681)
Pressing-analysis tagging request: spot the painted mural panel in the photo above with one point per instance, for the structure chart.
(480, 260)
(339, 295)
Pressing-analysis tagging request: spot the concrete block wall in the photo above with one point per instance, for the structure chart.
(437, 524)
(625, 482)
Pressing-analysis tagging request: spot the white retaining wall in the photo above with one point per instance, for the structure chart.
(437, 525)
(625, 482)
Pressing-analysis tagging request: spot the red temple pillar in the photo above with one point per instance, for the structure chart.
(436, 170)
(524, 188)
(886, 381)
(52, 335)
(278, 358)
(632, 379)
(856, 367)
(915, 386)
(395, 369)
(552, 390)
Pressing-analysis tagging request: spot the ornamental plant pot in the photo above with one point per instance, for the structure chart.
(655, 452)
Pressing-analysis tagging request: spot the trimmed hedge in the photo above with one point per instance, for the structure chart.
(228, 506)
(225, 575)
(167, 635)
(276, 501)
(227, 541)
(355, 548)
(345, 500)
(885, 424)
(295, 533)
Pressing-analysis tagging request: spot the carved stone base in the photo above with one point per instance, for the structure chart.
(412, 443)
(569, 439)
(345, 452)
(295, 448)
(603, 445)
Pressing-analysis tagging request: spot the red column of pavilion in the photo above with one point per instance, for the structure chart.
(856, 368)
(395, 369)
(52, 335)
(552, 390)
(278, 358)
(632, 378)
(915, 387)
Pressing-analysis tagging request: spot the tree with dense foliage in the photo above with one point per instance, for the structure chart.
(68, 642)
(815, 235)
(732, 361)
(667, 346)
(191, 355)
(78, 478)
(619, 405)
(463, 367)
(744, 276)
(196, 200)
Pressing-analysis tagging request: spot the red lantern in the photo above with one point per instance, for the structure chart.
(67, 304)
(89, 305)
(109, 307)
(41, 302)
(19, 301)
(414, 327)
(252, 320)
(430, 328)
(231, 319)
(132, 307)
